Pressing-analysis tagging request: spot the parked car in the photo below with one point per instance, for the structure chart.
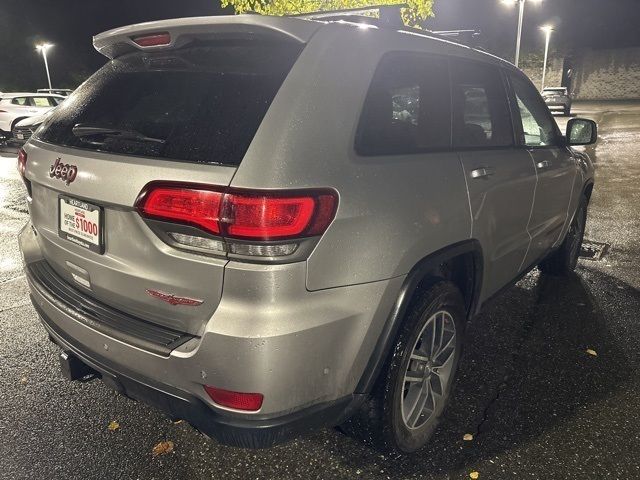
(65, 92)
(557, 99)
(23, 130)
(244, 232)
(18, 106)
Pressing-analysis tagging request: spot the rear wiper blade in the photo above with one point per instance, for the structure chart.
(81, 130)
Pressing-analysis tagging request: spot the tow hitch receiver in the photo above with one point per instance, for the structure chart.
(74, 369)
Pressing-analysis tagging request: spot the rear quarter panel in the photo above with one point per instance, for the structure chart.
(393, 210)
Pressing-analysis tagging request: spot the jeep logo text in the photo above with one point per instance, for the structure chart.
(63, 171)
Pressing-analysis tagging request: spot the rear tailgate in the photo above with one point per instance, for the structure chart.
(195, 110)
(135, 259)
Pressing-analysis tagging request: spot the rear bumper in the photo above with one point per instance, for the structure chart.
(253, 432)
(305, 356)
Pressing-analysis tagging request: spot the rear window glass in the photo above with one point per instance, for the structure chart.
(202, 103)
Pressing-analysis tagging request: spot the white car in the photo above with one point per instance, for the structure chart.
(23, 129)
(18, 106)
(65, 92)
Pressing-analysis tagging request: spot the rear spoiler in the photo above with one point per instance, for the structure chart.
(180, 31)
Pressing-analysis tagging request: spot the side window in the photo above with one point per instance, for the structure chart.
(19, 101)
(538, 126)
(480, 110)
(407, 108)
(42, 102)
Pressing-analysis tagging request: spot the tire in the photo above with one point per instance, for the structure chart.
(564, 260)
(415, 373)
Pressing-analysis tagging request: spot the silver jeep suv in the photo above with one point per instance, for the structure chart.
(265, 225)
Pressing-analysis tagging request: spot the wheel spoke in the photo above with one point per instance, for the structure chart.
(416, 355)
(442, 324)
(412, 377)
(429, 369)
(416, 411)
(443, 372)
(450, 342)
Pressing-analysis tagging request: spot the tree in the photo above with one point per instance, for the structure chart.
(416, 12)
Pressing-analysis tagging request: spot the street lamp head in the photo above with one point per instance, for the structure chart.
(43, 47)
(514, 2)
(547, 29)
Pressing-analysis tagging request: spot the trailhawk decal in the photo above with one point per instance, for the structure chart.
(173, 300)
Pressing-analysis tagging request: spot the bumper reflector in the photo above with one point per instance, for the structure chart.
(236, 400)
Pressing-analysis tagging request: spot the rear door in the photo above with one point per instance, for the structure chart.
(22, 107)
(194, 112)
(501, 178)
(555, 167)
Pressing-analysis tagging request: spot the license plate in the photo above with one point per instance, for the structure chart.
(81, 223)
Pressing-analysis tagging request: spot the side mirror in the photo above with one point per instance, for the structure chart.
(581, 131)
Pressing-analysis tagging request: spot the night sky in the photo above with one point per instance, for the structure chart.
(70, 24)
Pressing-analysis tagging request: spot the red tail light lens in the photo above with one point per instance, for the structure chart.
(235, 400)
(199, 208)
(153, 39)
(22, 162)
(241, 214)
(268, 217)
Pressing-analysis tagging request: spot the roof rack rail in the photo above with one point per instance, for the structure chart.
(468, 37)
(388, 15)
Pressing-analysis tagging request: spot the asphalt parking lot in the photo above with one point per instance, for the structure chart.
(538, 404)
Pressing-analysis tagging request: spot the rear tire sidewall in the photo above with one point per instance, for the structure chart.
(572, 257)
(443, 296)
(565, 259)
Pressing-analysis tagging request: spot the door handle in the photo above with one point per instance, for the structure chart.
(481, 172)
(543, 164)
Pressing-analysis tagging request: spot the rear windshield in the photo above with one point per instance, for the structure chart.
(202, 103)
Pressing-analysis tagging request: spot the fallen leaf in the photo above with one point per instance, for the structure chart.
(467, 437)
(474, 475)
(113, 426)
(592, 352)
(23, 380)
(177, 422)
(162, 448)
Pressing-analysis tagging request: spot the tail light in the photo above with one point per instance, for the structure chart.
(245, 215)
(235, 400)
(22, 168)
(200, 208)
(22, 162)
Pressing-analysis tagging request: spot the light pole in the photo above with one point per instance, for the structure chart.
(43, 48)
(520, 21)
(547, 29)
